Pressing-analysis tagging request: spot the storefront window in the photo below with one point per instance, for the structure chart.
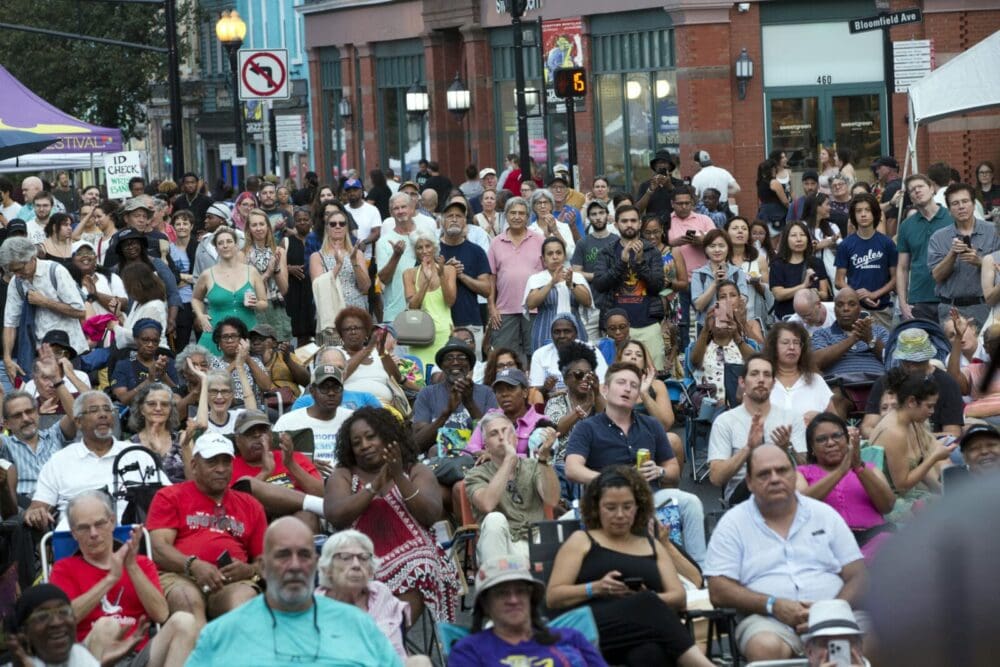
(638, 116)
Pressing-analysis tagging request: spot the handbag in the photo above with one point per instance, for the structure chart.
(414, 327)
(329, 299)
(450, 469)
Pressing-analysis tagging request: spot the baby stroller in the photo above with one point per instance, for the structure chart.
(137, 477)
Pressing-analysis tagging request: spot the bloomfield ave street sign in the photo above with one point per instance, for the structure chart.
(884, 21)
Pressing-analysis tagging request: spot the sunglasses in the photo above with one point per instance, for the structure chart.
(337, 224)
(579, 375)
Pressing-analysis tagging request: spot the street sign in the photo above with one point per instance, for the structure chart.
(883, 21)
(119, 168)
(912, 60)
(227, 152)
(290, 130)
(264, 74)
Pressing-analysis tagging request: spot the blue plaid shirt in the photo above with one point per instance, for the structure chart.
(29, 461)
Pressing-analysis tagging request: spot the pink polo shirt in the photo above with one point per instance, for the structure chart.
(694, 256)
(513, 265)
(523, 427)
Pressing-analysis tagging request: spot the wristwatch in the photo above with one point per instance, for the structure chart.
(369, 487)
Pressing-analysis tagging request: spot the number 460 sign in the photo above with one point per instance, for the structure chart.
(570, 82)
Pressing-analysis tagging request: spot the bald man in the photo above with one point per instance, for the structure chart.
(302, 627)
(853, 345)
(31, 187)
(810, 311)
(771, 590)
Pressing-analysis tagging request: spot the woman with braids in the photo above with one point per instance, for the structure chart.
(379, 488)
(582, 399)
(624, 575)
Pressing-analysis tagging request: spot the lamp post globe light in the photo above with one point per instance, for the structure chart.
(744, 72)
(230, 29)
(459, 98)
(417, 100)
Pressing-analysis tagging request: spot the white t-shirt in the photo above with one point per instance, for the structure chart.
(115, 288)
(713, 177)
(545, 362)
(542, 278)
(227, 428)
(10, 212)
(324, 431)
(730, 431)
(422, 222)
(367, 218)
(830, 319)
(36, 232)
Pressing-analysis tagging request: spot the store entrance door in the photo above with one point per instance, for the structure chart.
(801, 119)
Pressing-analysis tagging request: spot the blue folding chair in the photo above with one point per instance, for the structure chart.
(64, 545)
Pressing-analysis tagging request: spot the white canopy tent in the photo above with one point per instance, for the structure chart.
(967, 82)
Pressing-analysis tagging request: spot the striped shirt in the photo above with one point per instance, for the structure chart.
(29, 461)
(860, 358)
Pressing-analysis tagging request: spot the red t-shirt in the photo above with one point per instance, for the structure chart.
(76, 576)
(280, 474)
(206, 529)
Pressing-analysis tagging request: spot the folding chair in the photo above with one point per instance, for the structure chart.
(63, 545)
(544, 540)
(466, 536)
(696, 430)
(721, 621)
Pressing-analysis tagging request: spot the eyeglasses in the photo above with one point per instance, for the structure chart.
(156, 404)
(347, 557)
(352, 329)
(329, 388)
(823, 439)
(220, 392)
(99, 409)
(46, 616)
(579, 375)
(335, 223)
(294, 657)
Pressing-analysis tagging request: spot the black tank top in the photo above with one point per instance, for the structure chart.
(600, 560)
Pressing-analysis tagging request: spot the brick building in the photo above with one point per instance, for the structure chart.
(660, 75)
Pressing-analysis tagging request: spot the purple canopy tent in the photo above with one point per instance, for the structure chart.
(22, 110)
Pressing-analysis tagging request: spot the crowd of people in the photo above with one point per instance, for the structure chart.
(352, 366)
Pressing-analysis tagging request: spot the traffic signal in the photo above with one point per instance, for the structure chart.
(167, 135)
(570, 82)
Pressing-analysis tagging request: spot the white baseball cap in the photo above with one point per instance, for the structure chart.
(212, 444)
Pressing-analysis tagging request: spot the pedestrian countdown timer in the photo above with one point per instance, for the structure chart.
(570, 82)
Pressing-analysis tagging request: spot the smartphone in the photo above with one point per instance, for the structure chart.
(224, 559)
(967, 240)
(634, 583)
(838, 652)
(723, 314)
(690, 233)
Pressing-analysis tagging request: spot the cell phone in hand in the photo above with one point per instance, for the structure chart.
(723, 314)
(634, 583)
(690, 233)
(967, 240)
(224, 559)
(838, 652)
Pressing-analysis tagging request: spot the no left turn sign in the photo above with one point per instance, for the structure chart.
(264, 74)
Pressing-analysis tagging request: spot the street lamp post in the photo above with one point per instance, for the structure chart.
(517, 10)
(231, 30)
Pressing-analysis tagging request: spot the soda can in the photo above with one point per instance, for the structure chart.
(641, 456)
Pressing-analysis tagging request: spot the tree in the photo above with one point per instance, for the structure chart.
(101, 84)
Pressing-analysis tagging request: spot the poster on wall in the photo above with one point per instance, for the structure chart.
(562, 46)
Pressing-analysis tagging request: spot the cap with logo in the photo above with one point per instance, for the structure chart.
(325, 372)
(512, 376)
(353, 184)
(212, 444)
(248, 419)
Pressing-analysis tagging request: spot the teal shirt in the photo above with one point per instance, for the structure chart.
(248, 637)
(914, 236)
